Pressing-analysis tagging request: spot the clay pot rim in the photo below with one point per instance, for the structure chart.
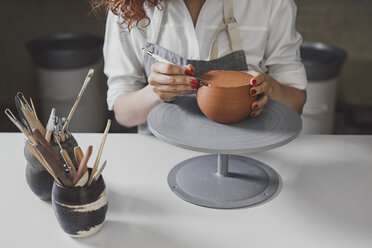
(225, 86)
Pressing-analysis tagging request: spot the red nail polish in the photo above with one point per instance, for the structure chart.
(253, 114)
(253, 92)
(193, 81)
(194, 86)
(189, 72)
(255, 106)
(254, 82)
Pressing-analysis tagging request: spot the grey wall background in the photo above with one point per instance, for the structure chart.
(343, 23)
(348, 25)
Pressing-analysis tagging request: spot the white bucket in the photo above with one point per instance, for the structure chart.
(62, 63)
(323, 64)
(59, 89)
(318, 112)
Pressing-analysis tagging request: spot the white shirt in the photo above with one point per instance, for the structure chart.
(266, 28)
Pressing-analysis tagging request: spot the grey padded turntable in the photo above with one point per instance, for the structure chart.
(223, 180)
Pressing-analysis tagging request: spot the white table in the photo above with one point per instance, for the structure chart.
(325, 201)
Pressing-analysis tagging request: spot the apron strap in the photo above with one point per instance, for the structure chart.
(155, 25)
(229, 23)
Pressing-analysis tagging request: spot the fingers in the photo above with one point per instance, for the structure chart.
(190, 70)
(258, 77)
(170, 81)
(163, 79)
(168, 69)
(259, 89)
(170, 96)
(258, 105)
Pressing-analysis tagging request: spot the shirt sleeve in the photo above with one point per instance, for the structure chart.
(282, 54)
(122, 67)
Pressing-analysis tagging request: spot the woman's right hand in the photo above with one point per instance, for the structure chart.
(170, 81)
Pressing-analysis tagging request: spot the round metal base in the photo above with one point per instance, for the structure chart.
(248, 182)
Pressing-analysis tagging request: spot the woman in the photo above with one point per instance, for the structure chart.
(257, 36)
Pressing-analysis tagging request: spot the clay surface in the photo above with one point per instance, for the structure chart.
(227, 79)
(227, 99)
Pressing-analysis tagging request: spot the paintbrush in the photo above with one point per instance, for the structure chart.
(99, 152)
(82, 90)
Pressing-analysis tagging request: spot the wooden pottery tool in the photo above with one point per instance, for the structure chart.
(28, 113)
(42, 161)
(82, 90)
(83, 168)
(99, 152)
(78, 154)
(83, 180)
(52, 159)
(100, 170)
(33, 108)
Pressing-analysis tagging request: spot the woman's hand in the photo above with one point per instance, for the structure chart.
(169, 81)
(261, 87)
(266, 87)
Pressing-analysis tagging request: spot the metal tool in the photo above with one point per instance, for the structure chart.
(20, 126)
(67, 159)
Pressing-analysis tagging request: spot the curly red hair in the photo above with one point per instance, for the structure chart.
(131, 11)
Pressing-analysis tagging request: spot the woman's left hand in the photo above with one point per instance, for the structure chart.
(262, 88)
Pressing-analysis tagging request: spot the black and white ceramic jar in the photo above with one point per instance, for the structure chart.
(38, 178)
(80, 211)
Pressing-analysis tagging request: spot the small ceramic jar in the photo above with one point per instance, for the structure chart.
(38, 178)
(80, 211)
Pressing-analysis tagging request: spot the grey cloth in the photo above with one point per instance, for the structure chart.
(234, 61)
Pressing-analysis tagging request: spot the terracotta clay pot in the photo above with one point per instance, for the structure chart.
(227, 99)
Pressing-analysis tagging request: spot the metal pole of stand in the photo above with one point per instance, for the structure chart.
(223, 165)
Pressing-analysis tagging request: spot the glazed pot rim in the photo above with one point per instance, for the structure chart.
(94, 182)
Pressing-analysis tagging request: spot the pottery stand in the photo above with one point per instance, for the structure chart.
(223, 180)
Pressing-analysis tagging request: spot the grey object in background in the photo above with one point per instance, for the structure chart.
(64, 51)
(323, 65)
(223, 181)
(62, 63)
(322, 61)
